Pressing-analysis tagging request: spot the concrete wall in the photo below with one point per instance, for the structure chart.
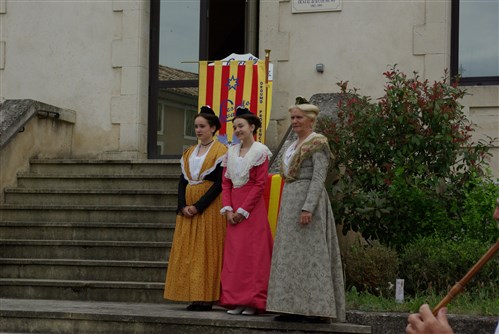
(358, 44)
(88, 56)
(482, 109)
(40, 138)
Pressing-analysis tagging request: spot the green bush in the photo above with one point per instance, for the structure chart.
(406, 163)
(371, 268)
(434, 264)
(478, 206)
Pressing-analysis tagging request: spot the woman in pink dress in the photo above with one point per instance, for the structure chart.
(248, 241)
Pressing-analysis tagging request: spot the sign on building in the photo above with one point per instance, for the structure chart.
(307, 6)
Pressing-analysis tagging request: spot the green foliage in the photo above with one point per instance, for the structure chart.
(406, 165)
(371, 268)
(478, 206)
(436, 264)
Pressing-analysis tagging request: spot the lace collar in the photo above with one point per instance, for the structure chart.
(256, 155)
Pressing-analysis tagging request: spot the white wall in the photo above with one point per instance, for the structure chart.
(358, 44)
(88, 56)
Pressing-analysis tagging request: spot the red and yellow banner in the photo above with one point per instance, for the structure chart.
(226, 85)
(272, 196)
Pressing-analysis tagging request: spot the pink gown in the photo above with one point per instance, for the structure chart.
(248, 245)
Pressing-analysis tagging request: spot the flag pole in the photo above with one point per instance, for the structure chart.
(267, 65)
(267, 62)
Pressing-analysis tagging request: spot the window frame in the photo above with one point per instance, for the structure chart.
(454, 56)
(251, 8)
(155, 85)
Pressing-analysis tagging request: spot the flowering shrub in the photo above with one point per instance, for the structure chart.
(406, 161)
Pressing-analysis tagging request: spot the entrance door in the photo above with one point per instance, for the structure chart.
(183, 32)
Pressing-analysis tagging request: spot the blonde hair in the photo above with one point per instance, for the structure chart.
(310, 110)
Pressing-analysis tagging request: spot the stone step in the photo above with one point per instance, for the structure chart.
(85, 249)
(42, 316)
(88, 230)
(97, 231)
(94, 182)
(88, 270)
(119, 291)
(90, 197)
(91, 213)
(106, 167)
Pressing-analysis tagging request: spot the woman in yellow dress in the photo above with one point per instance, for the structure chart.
(195, 260)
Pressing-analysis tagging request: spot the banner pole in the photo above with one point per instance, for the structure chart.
(267, 65)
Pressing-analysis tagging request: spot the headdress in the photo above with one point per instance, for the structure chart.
(208, 113)
(248, 116)
(301, 100)
(207, 110)
(242, 111)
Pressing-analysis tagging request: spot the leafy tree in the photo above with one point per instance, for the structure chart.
(405, 162)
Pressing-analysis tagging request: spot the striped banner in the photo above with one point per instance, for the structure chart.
(272, 196)
(226, 85)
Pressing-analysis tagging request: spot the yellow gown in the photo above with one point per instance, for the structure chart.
(195, 260)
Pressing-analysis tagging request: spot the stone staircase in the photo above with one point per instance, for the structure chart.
(84, 247)
(88, 230)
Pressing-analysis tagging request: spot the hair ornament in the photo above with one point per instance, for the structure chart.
(206, 110)
(301, 100)
(242, 111)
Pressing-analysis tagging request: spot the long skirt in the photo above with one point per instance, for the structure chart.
(247, 255)
(195, 260)
(307, 274)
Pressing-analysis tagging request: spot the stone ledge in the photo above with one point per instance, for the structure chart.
(172, 318)
(14, 114)
(175, 319)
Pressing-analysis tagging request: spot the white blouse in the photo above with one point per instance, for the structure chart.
(195, 162)
(195, 165)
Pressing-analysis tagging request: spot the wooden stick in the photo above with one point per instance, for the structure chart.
(458, 287)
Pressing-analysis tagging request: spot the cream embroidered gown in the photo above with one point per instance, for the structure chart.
(306, 274)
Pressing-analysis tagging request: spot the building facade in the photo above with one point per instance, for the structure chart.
(128, 68)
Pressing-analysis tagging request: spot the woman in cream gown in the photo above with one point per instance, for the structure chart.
(306, 279)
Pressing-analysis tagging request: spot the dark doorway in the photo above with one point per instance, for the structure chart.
(226, 35)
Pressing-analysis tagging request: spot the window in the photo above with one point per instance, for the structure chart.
(189, 130)
(161, 117)
(475, 41)
(181, 33)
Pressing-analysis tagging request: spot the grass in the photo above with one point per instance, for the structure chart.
(484, 302)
